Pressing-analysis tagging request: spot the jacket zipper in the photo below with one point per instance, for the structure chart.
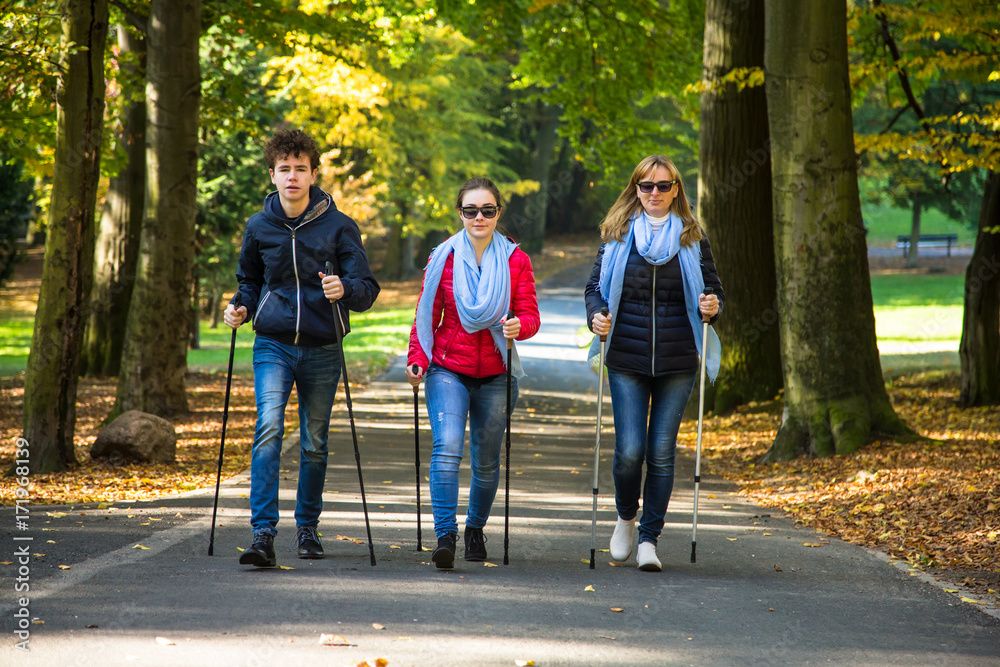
(260, 307)
(653, 356)
(298, 289)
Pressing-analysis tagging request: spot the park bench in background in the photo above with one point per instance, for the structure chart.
(928, 241)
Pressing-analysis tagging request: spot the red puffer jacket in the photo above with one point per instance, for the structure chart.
(475, 354)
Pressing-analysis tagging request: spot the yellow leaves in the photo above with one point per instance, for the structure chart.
(64, 567)
(590, 588)
(489, 564)
(617, 610)
(812, 544)
(163, 641)
(378, 626)
(285, 567)
(524, 663)
(969, 600)
(139, 546)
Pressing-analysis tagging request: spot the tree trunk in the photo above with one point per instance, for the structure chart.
(53, 363)
(194, 314)
(734, 203)
(911, 253)
(530, 213)
(154, 361)
(834, 392)
(117, 249)
(980, 347)
(399, 261)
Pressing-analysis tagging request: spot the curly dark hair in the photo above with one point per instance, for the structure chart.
(291, 142)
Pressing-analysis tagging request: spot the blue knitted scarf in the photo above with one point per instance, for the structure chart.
(482, 293)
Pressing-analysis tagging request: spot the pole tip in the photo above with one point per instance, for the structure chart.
(693, 548)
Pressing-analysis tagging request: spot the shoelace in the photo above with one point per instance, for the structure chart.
(305, 533)
(260, 541)
(476, 539)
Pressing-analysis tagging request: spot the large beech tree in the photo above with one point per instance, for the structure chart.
(980, 346)
(117, 249)
(154, 361)
(734, 201)
(51, 379)
(835, 397)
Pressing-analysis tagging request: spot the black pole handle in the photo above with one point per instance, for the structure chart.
(706, 292)
(510, 341)
(605, 313)
(413, 369)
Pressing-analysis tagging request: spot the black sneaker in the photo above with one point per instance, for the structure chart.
(444, 555)
(309, 544)
(261, 552)
(475, 545)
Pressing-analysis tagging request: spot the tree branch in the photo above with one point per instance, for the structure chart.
(133, 18)
(904, 80)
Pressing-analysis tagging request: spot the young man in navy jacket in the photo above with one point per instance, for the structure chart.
(286, 295)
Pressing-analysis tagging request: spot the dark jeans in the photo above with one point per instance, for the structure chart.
(650, 435)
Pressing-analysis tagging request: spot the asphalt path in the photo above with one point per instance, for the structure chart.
(132, 584)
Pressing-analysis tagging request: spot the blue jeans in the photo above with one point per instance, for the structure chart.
(315, 371)
(451, 399)
(655, 443)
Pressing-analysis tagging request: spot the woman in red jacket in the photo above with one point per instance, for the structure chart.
(458, 338)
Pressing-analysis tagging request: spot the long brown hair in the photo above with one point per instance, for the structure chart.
(616, 222)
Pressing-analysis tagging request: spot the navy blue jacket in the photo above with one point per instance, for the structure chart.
(640, 343)
(279, 270)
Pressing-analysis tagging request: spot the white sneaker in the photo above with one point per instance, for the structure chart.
(646, 558)
(621, 539)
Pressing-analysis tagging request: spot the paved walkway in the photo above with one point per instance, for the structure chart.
(141, 590)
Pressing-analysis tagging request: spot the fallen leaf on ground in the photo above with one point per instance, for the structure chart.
(617, 610)
(811, 544)
(777, 568)
(240, 549)
(349, 539)
(64, 567)
(489, 564)
(712, 495)
(524, 663)
(378, 626)
(607, 637)
(56, 515)
(589, 588)
(163, 641)
(732, 539)
(395, 546)
(333, 640)
(614, 564)
(604, 551)
(951, 590)
(970, 600)
(285, 567)
(139, 546)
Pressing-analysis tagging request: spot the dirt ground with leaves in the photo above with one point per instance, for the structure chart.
(932, 504)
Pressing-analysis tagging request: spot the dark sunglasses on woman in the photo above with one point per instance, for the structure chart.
(662, 186)
(470, 212)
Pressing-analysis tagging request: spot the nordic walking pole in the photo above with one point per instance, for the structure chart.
(597, 444)
(350, 413)
(701, 414)
(416, 451)
(506, 493)
(222, 444)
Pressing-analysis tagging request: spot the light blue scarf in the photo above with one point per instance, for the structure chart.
(482, 294)
(658, 249)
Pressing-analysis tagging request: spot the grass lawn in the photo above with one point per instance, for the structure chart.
(375, 338)
(885, 223)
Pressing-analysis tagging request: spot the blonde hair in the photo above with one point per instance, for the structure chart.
(616, 222)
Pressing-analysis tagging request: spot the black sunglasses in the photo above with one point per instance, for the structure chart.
(662, 186)
(470, 212)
